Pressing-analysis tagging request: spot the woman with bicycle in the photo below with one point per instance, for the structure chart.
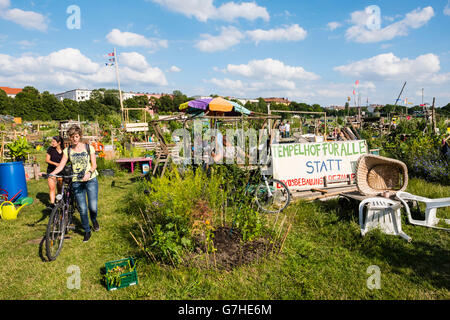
(83, 160)
(53, 158)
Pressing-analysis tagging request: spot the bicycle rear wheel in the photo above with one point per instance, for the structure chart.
(274, 201)
(56, 230)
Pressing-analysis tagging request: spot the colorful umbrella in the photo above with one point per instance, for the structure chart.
(239, 108)
(213, 104)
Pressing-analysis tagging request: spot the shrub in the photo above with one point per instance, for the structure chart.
(421, 154)
(181, 212)
(431, 167)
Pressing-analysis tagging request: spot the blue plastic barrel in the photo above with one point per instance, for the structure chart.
(12, 179)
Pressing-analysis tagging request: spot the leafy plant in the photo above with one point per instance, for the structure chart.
(114, 276)
(419, 151)
(19, 149)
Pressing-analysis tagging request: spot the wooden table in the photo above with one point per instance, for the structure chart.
(132, 161)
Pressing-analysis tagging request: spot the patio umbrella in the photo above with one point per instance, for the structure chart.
(239, 108)
(195, 106)
(221, 105)
(213, 104)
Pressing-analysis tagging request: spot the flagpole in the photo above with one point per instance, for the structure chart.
(118, 83)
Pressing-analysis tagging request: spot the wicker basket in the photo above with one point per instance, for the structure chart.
(376, 175)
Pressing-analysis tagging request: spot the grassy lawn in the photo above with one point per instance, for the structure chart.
(324, 257)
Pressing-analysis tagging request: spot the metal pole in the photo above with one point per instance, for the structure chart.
(118, 83)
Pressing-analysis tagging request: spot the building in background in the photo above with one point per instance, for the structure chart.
(11, 92)
(337, 108)
(128, 95)
(85, 94)
(277, 100)
(77, 95)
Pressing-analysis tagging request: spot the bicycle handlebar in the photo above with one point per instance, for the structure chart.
(46, 175)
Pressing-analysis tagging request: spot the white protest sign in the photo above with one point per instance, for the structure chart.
(302, 166)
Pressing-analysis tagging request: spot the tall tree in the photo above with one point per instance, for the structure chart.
(5, 103)
(72, 109)
(53, 107)
(28, 105)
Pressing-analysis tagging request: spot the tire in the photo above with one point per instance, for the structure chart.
(56, 230)
(280, 199)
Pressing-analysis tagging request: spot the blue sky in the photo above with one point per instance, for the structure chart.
(306, 51)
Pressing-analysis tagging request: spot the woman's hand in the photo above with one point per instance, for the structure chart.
(87, 176)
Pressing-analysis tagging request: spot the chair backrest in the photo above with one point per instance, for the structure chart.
(377, 174)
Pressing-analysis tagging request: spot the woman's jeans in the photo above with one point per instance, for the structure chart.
(80, 190)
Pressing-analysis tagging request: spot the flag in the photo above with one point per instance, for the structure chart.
(357, 82)
(354, 92)
(109, 64)
(111, 54)
(112, 59)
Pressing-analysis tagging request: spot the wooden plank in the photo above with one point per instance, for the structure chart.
(328, 195)
(136, 129)
(319, 190)
(136, 125)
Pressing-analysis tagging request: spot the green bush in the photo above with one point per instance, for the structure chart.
(181, 212)
(421, 154)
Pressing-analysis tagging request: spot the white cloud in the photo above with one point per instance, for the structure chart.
(387, 66)
(69, 60)
(246, 10)
(272, 85)
(174, 69)
(292, 33)
(230, 36)
(228, 83)
(333, 25)
(343, 90)
(4, 4)
(27, 19)
(360, 33)
(133, 60)
(203, 10)
(263, 78)
(27, 43)
(130, 39)
(270, 69)
(69, 68)
(440, 78)
(447, 9)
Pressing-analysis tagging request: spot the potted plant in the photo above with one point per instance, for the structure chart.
(19, 149)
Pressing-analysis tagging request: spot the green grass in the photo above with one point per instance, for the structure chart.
(324, 257)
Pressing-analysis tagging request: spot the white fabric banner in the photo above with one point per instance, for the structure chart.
(302, 166)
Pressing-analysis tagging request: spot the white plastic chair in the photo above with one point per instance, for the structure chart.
(381, 213)
(430, 210)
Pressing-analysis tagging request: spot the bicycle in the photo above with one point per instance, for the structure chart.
(271, 195)
(60, 220)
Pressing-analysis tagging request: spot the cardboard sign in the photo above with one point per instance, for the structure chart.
(302, 166)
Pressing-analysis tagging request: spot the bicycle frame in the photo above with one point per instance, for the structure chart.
(60, 218)
(66, 194)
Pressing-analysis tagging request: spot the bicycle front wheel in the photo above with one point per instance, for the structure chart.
(272, 196)
(56, 230)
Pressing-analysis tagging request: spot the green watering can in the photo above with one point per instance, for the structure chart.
(9, 212)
